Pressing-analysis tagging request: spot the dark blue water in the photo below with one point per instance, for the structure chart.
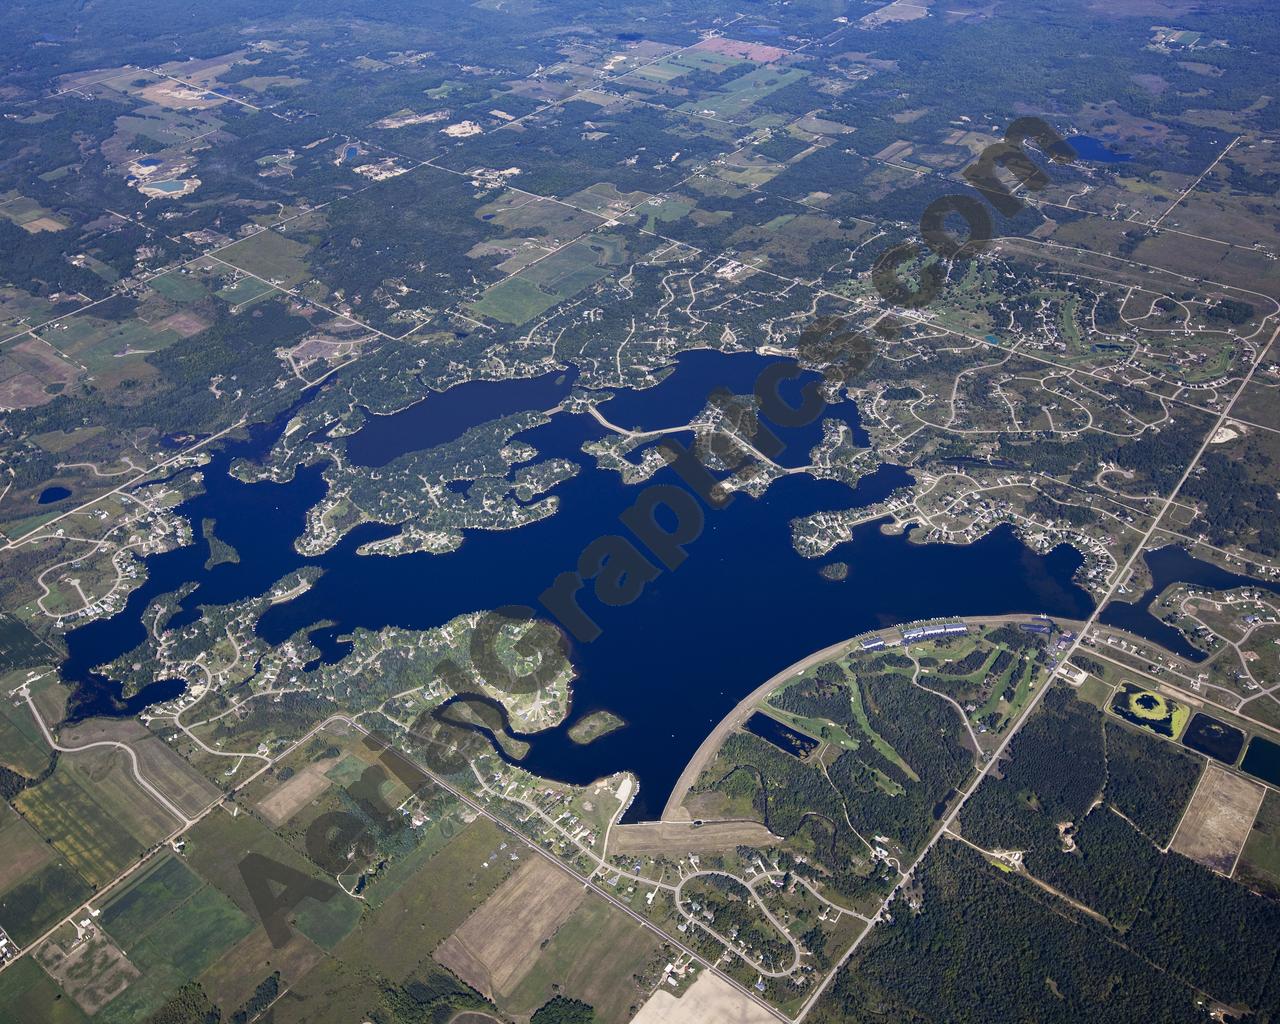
(1097, 151)
(788, 740)
(683, 393)
(51, 494)
(447, 415)
(743, 606)
(1262, 760)
(1170, 565)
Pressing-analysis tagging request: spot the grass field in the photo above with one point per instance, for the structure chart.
(21, 749)
(594, 956)
(192, 936)
(498, 944)
(271, 256)
(231, 979)
(180, 287)
(28, 994)
(675, 838)
(513, 301)
(431, 904)
(217, 845)
(22, 852)
(20, 648)
(745, 90)
(152, 893)
(37, 902)
(433, 838)
(551, 280)
(172, 926)
(1259, 866)
(91, 838)
(1094, 691)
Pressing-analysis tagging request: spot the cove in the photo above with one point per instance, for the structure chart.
(1169, 565)
(1096, 151)
(671, 664)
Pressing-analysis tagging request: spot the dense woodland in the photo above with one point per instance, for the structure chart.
(1093, 803)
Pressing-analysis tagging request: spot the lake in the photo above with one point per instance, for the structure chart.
(1169, 565)
(1262, 760)
(51, 494)
(788, 740)
(1214, 738)
(1096, 150)
(671, 664)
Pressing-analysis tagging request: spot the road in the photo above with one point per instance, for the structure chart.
(1121, 575)
(151, 790)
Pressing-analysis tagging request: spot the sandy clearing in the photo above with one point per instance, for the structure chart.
(679, 837)
(710, 1000)
(1218, 819)
(283, 803)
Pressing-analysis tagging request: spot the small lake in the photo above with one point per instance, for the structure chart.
(788, 740)
(51, 494)
(743, 606)
(1214, 738)
(1097, 151)
(1262, 760)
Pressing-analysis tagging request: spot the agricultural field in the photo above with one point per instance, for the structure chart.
(1218, 820)
(946, 385)
(497, 945)
(1259, 863)
(93, 815)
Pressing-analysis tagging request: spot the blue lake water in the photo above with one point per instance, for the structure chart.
(742, 607)
(447, 415)
(51, 494)
(1170, 565)
(1097, 151)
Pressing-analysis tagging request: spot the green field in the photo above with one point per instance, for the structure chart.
(431, 904)
(594, 956)
(431, 840)
(79, 827)
(217, 845)
(244, 291)
(551, 280)
(22, 852)
(1094, 691)
(39, 901)
(152, 893)
(20, 648)
(513, 301)
(192, 936)
(172, 926)
(270, 255)
(21, 747)
(180, 287)
(28, 994)
(742, 92)
(1259, 864)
